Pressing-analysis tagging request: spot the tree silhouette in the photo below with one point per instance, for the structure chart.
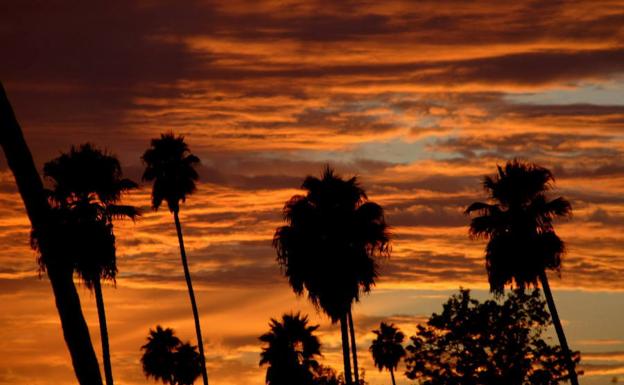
(167, 359)
(86, 186)
(387, 348)
(329, 246)
(171, 166)
(44, 223)
(522, 242)
(490, 343)
(291, 351)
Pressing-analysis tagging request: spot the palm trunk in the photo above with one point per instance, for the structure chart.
(189, 284)
(75, 330)
(99, 299)
(392, 376)
(344, 328)
(356, 374)
(558, 328)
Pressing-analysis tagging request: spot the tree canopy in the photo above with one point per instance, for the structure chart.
(489, 343)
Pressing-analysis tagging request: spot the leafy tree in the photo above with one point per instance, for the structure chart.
(291, 351)
(387, 349)
(167, 359)
(522, 243)
(489, 343)
(170, 165)
(329, 246)
(87, 185)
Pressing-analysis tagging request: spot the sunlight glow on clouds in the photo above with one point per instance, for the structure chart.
(419, 100)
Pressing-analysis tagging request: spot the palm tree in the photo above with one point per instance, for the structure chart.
(387, 348)
(329, 247)
(167, 359)
(60, 273)
(86, 186)
(522, 243)
(171, 166)
(291, 351)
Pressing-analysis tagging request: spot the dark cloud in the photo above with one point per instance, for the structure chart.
(428, 266)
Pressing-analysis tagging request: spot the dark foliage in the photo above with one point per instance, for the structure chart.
(86, 186)
(489, 343)
(387, 348)
(167, 359)
(518, 224)
(171, 166)
(330, 244)
(291, 351)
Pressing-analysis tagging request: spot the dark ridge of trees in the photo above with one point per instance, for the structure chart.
(86, 187)
(170, 165)
(165, 358)
(291, 351)
(387, 348)
(329, 246)
(489, 343)
(59, 271)
(522, 243)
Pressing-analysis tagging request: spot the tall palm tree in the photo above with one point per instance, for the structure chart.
(329, 247)
(86, 186)
(171, 166)
(60, 273)
(291, 351)
(387, 349)
(522, 243)
(167, 359)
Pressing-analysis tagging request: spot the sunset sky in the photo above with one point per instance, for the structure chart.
(418, 99)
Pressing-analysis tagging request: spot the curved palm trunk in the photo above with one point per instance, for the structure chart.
(75, 330)
(189, 284)
(392, 376)
(346, 355)
(99, 299)
(558, 328)
(356, 374)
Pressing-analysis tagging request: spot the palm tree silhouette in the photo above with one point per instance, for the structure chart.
(291, 351)
(171, 166)
(167, 359)
(86, 186)
(522, 242)
(44, 224)
(329, 246)
(387, 348)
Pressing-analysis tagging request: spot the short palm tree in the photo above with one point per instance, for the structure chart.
(329, 247)
(171, 167)
(87, 185)
(291, 351)
(387, 349)
(522, 243)
(167, 359)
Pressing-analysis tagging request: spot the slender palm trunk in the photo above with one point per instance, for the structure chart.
(189, 284)
(99, 299)
(558, 328)
(75, 330)
(392, 376)
(356, 374)
(346, 355)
